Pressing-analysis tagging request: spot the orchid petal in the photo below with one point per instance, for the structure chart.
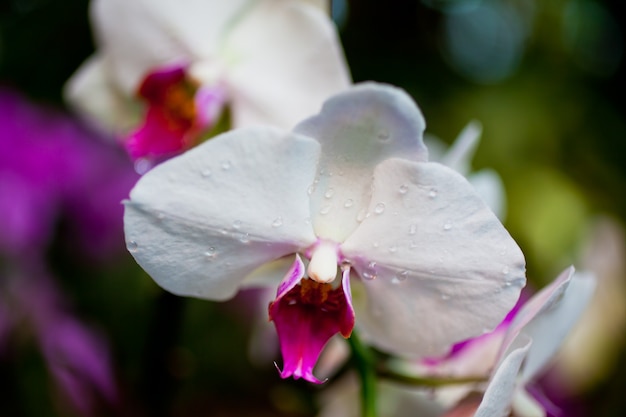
(358, 129)
(201, 222)
(141, 35)
(502, 386)
(459, 155)
(490, 188)
(91, 93)
(438, 256)
(306, 317)
(555, 320)
(284, 59)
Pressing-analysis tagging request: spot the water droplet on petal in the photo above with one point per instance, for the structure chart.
(447, 226)
(132, 246)
(432, 193)
(226, 165)
(444, 296)
(329, 193)
(392, 249)
(325, 209)
(412, 229)
(506, 270)
(403, 189)
(349, 203)
(400, 277)
(244, 237)
(237, 224)
(311, 189)
(380, 208)
(210, 253)
(383, 136)
(278, 221)
(206, 173)
(413, 244)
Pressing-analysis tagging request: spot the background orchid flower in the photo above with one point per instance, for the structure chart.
(526, 342)
(269, 61)
(350, 189)
(458, 156)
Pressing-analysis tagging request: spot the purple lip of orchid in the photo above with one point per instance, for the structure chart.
(178, 110)
(307, 313)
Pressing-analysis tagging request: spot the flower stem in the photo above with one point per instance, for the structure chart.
(363, 361)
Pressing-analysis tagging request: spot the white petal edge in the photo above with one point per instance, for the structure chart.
(282, 60)
(142, 35)
(201, 222)
(552, 325)
(501, 389)
(91, 94)
(439, 256)
(358, 129)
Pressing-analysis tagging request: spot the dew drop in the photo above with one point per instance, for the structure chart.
(349, 203)
(325, 209)
(244, 237)
(403, 189)
(432, 193)
(383, 136)
(210, 253)
(371, 265)
(369, 275)
(413, 244)
(412, 229)
(400, 277)
(278, 221)
(329, 193)
(447, 226)
(506, 270)
(444, 296)
(311, 189)
(206, 173)
(392, 249)
(380, 208)
(237, 224)
(226, 165)
(132, 246)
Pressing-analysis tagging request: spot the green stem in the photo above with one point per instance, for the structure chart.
(363, 361)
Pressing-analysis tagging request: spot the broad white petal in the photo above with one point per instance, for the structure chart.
(140, 35)
(502, 386)
(358, 129)
(90, 92)
(554, 322)
(201, 222)
(282, 59)
(445, 268)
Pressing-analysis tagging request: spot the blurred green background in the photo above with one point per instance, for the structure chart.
(542, 76)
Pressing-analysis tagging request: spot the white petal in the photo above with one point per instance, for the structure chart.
(490, 188)
(140, 35)
(460, 154)
(555, 319)
(90, 92)
(358, 129)
(282, 59)
(201, 222)
(445, 267)
(502, 386)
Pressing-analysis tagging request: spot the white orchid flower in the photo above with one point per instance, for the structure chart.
(528, 339)
(346, 201)
(164, 69)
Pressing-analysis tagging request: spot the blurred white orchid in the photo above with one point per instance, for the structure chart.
(458, 156)
(524, 345)
(350, 191)
(164, 70)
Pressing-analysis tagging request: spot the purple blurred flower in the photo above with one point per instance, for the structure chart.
(49, 167)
